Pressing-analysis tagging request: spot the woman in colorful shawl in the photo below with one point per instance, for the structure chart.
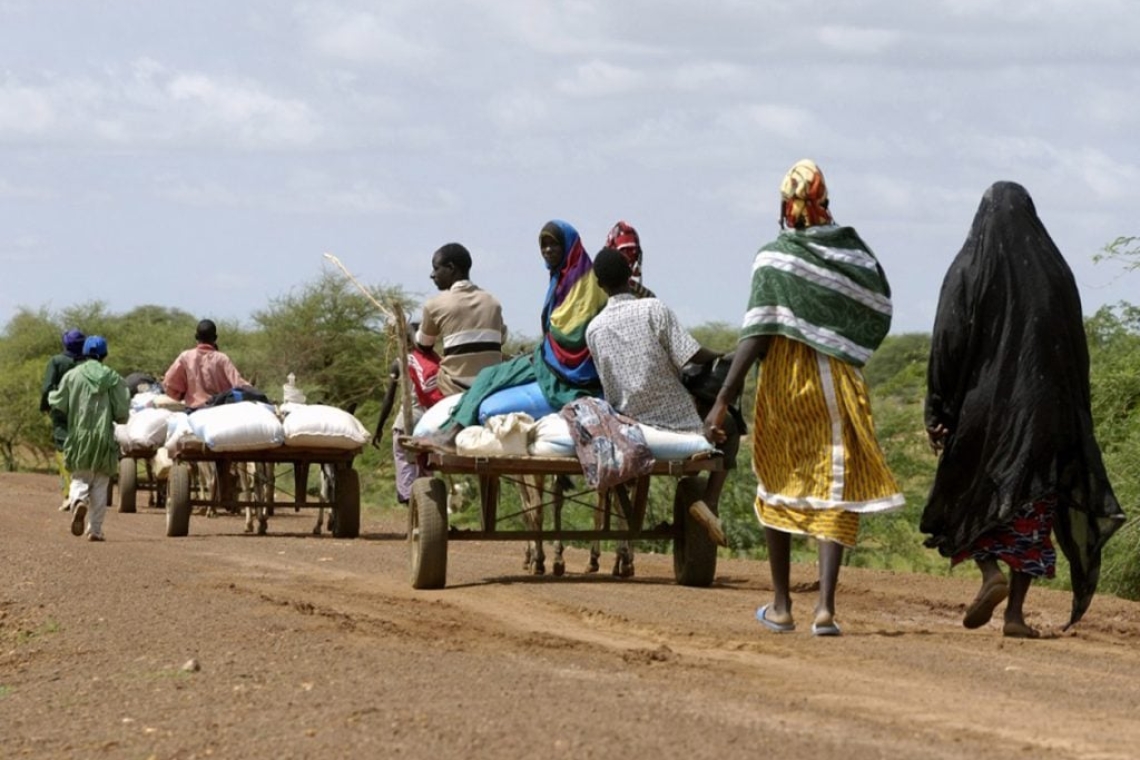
(819, 306)
(1008, 406)
(560, 367)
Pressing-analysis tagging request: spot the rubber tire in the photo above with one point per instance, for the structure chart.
(178, 501)
(347, 504)
(128, 484)
(694, 553)
(427, 533)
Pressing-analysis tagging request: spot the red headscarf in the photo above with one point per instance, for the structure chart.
(624, 239)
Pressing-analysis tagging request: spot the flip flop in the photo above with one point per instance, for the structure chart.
(772, 625)
(982, 608)
(825, 629)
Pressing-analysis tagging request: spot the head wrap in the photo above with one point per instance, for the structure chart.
(573, 299)
(624, 239)
(207, 332)
(73, 341)
(804, 195)
(95, 346)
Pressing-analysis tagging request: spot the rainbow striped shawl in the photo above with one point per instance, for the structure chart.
(572, 300)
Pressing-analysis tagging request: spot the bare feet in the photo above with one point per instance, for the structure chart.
(700, 512)
(1017, 629)
(981, 610)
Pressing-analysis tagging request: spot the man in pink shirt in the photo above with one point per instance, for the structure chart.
(203, 371)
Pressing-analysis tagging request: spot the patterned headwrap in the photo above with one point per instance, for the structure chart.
(624, 239)
(804, 195)
(572, 300)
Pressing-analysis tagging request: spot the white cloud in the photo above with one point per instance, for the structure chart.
(701, 75)
(154, 106)
(366, 37)
(600, 79)
(23, 249)
(25, 110)
(767, 118)
(241, 109)
(12, 191)
(857, 40)
(518, 111)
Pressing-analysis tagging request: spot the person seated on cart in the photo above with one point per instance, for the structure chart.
(560, 369)
(423, 373)
(463, 324)
(624, 239)
(201, 372)
(640, 348)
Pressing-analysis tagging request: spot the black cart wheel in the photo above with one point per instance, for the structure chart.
(694, 553)
(178, 501)
(427, 533)
(346, 503)
(128, 484)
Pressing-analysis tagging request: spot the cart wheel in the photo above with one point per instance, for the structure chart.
(128, 484)
(694, 553)
(427, 533)
(346, 503)
(178, 501)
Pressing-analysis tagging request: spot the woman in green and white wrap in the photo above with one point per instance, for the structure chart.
(819, 306)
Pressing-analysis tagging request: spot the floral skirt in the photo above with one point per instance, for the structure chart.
(1023, 543)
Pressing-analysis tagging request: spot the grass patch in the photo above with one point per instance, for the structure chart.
(46, 629)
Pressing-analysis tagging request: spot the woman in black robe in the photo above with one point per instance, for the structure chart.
(1008, 406)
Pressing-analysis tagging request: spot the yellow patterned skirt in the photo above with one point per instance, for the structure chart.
(818, 464)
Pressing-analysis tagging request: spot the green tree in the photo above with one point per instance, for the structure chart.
(332, 337)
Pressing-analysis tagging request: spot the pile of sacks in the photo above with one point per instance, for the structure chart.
(519, 434)
(252, 425)
(242, 426)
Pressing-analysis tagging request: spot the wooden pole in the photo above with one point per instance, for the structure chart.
(394, 312)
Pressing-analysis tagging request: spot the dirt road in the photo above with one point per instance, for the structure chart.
(318, 647)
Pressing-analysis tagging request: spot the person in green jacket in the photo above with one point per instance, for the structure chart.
(57, 367)
(92, 396)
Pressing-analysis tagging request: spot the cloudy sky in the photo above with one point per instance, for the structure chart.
(203, 154)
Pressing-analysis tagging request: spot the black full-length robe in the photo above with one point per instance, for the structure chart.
(1009, 378)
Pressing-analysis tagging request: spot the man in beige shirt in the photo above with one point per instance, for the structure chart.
(464, 324)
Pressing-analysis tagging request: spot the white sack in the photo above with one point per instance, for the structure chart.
(243, 426)
(321, 426)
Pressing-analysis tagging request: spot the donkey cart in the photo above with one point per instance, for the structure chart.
(619, 512)
(345, 485)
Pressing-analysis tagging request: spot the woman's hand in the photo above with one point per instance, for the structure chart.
(937, 435)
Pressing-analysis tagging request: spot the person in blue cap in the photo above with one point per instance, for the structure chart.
(57, 367)
(92, 397)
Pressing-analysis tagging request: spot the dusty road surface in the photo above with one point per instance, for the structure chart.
(314, 647)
